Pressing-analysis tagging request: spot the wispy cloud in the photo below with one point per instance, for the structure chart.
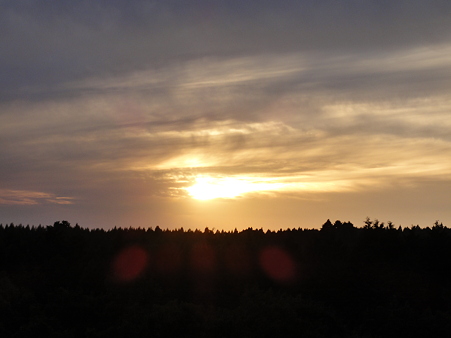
(25, 197)
(270, 113)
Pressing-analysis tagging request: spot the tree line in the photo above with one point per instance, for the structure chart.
(377, 280)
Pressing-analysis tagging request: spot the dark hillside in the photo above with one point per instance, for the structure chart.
(340, 281)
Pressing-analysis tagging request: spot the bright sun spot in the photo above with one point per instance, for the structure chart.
(207, 188)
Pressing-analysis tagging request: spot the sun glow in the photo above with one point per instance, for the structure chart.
(207, 188)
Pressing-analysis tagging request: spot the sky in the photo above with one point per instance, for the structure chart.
(225, 114)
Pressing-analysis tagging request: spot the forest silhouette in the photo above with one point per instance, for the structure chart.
(377, 280)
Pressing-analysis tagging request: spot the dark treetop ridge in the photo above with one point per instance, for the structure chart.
(340, 281)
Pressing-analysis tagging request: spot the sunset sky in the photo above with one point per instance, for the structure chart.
(225, 114)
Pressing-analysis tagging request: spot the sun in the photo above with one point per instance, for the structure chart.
(207, 188)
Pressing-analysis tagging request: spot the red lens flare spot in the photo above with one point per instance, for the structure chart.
(130, 263)
(169, 259)
(237, 260)
(278, 264)
(203, 258)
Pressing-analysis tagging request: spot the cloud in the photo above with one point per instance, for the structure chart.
(48, 43)
(273, 115)
(25, 197)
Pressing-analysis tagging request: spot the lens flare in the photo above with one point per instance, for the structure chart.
(129, 263)
(203, 258)
(278, 264)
